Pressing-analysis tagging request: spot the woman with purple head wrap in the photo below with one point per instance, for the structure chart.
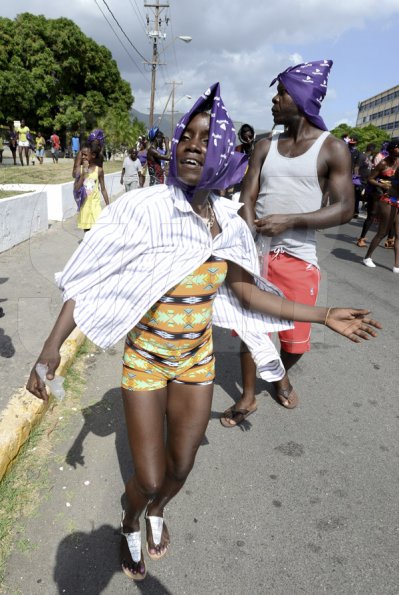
(154, 267)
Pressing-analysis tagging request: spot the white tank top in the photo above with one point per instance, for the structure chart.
(291, 185)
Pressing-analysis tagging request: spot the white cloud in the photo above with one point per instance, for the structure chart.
(295, 58)
(242, 46)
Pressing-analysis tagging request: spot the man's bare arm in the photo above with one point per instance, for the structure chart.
(251, 182)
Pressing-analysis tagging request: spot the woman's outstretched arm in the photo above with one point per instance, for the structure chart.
(349, 322)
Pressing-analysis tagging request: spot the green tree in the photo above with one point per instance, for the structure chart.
(54, 76)
(366, 135)
(121, 132)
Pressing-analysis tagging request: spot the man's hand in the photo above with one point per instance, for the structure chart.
(273, 225)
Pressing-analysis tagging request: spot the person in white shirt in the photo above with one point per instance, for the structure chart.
(154, 268)
(131, 171)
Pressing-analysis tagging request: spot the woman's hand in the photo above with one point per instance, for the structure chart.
(352, 323)
(51, 358)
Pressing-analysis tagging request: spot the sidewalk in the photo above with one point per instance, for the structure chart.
(31, 302)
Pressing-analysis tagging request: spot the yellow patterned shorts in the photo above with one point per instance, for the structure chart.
(143, 371)
(173, 340)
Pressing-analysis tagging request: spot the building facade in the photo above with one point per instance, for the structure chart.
(382, 111)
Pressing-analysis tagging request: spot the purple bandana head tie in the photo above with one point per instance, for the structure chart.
(307, 85)
(97, 135)
(223, 166)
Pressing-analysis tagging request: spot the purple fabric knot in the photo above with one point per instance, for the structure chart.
(223, 166)
(97, 135)
(307, 85)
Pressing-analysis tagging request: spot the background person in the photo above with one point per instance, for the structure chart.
(381, 178)
(55, 146)
(40, 144)
(131, 171)
(23, 142)
(75, 144)
(89, 180)
(155, 157)
(12, 138)
(142, 156)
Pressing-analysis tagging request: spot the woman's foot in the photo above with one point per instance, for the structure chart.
(361, 243)
(158, 539)
(132, 560)
(389, 243)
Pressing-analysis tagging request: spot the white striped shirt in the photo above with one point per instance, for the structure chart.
(143, 245)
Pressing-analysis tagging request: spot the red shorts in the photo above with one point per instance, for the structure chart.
(299, 281)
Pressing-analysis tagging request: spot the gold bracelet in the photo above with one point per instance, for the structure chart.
(328, 312)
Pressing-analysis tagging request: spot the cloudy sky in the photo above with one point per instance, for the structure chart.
(243, 45)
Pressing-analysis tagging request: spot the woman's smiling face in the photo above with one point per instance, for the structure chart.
(191, 150)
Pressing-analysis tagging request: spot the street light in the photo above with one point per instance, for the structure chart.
(155, 35)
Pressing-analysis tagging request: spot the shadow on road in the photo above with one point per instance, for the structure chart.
(7, 348)
(86, 563)
(347, 255)
(102, 419)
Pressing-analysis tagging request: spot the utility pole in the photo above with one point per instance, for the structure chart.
(173, 83)
(155, 33)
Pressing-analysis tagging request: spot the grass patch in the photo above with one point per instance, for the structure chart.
(9, 193)
(48, 173)
(29, 482)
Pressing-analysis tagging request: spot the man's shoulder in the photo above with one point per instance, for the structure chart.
(262, 146)
(336, 148)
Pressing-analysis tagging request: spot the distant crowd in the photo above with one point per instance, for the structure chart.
(28, 147)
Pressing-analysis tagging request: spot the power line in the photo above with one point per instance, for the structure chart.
(136, 10)
(173, 36)
(116, 21)
(120, 41)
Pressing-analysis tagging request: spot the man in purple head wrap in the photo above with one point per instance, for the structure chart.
(289, 174)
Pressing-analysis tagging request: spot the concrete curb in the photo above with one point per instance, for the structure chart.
(24, 410)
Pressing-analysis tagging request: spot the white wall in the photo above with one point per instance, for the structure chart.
(21, 217)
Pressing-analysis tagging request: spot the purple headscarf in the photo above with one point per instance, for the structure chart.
(97, 135)
(307, 85)
(223, 166)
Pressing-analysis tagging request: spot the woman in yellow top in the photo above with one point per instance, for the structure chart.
(23, 142)
(89, 179)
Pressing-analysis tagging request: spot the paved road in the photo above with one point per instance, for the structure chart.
(303, 501)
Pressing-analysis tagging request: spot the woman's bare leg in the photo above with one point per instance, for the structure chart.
(383, 227)
(188, 411)
(145, 416)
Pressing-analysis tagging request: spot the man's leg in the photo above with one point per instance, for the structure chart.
(299, 281)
